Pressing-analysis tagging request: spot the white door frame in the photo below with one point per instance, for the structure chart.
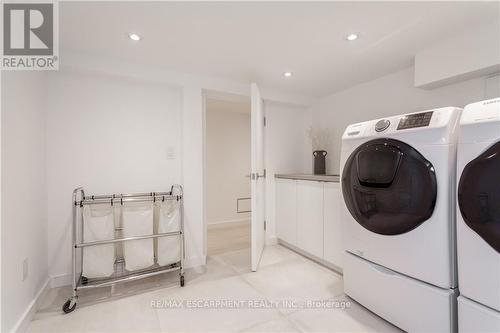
(258, 178)
(219, 95)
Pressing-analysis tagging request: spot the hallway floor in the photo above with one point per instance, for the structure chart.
(227, 237)
(225, 296)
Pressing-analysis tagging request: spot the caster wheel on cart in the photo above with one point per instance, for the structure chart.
(182, 280)
(66, 307)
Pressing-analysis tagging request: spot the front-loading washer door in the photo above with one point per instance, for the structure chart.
(389, 187)
(479, 195)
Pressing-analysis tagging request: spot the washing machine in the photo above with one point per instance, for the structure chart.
(478, 217)
(398, 218)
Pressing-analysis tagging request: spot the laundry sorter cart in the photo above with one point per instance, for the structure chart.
(80, 200)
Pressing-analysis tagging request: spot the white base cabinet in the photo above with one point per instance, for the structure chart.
(286, 210)
(332, 236)
(308, 217)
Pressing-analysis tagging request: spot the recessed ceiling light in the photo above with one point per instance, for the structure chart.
(134, 37)
(352, 37)
(287, 74)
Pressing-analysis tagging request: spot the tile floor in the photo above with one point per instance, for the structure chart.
(159, 305)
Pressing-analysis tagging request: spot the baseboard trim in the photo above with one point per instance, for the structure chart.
(230, 222)
(312, 257)
(195, 262)
(23, 322)
(65, 279)
(272, 241)
(60, 280)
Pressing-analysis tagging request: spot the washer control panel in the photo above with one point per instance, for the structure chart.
(415, 120)
(382, 125)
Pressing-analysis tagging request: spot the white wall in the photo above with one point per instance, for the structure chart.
(227, 163)
(109, 129)
(492, 86)
(287, 150)
(24, 220)
(110, 135)
(389, 95)
(193, 131)
(470, 53)
(193, 166)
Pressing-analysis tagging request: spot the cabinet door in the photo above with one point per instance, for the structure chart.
(286, 210)
(332, 225)
(310, 217)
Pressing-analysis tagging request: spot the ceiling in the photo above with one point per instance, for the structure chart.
(257, 41)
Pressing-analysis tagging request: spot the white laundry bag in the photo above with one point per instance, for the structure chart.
(137, 220)
(98, 225)
(169, 221)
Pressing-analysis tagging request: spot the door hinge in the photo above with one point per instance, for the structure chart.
(265, 121)
(265, 225)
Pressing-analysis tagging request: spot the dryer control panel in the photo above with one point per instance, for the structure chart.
(422, 119)
(438, 125)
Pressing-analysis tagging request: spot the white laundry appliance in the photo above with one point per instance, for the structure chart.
(398, 185)
(478, 217)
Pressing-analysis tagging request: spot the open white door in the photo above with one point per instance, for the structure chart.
(258, 177)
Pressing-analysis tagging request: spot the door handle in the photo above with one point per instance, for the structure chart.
(256, 176)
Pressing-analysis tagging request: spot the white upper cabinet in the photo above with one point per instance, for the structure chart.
(310, 217)
(332, 227)
(286, 210)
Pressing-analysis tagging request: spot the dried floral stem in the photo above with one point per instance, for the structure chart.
(320, 138)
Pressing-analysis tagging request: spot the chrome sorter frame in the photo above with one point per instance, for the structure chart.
(80, 200)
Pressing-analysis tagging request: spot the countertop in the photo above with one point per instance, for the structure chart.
(318, 178)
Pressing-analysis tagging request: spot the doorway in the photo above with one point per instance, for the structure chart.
(228, 183)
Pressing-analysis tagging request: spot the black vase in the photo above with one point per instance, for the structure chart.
(319, 162)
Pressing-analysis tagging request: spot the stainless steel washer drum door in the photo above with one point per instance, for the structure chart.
(389, 187)
(479, 195)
